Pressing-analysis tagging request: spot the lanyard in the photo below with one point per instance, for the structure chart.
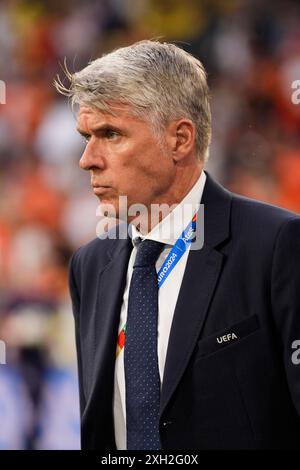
(179, 248)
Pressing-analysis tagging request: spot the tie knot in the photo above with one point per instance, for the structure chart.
(147, 253)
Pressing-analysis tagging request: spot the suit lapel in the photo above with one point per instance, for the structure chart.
(111, 284)
(200, 279)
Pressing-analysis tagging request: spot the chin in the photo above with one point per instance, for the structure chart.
(107, 208)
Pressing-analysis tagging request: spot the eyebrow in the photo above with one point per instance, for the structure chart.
(82, 132)
(100, 128)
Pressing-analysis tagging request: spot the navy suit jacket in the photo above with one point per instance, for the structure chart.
(231, 380)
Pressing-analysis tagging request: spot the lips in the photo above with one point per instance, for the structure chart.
(99, 189)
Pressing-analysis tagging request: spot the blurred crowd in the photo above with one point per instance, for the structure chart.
(251, 50)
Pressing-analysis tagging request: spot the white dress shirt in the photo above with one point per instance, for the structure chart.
(167, 231)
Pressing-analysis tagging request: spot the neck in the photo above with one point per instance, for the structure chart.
(175, 194)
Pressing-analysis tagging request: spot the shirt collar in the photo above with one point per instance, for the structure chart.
(171, 227)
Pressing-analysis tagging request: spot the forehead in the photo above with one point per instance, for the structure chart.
(121, 114)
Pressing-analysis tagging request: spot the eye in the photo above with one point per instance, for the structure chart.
(86, 138)
(111, 134)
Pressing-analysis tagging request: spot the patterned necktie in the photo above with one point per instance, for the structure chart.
(140, 352)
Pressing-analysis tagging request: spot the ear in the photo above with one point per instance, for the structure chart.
(181, 136)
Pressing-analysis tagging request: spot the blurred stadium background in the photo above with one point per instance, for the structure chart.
(251, 50)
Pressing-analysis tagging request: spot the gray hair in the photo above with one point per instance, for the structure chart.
(159, 81)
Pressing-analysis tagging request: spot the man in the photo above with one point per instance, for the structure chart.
(194, 354)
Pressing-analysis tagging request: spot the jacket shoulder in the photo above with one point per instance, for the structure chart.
(259, 214)
(94, 255)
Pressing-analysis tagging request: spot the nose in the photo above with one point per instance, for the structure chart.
(91, 158)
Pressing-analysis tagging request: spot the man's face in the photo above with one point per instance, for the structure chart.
(124, 158)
